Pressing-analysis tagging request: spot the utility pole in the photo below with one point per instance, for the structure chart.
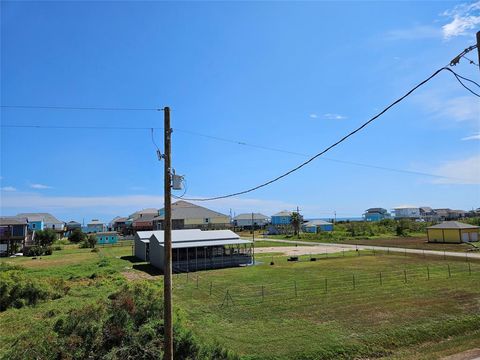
(298, 223)
(478, 48)
(253, 239)
(167, 225)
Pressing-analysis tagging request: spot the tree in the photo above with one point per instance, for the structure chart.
(77, 236)
(296, 219)
(89, 241)
(45, 237)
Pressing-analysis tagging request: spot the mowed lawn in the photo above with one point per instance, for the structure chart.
(338, 307)
(414, 309)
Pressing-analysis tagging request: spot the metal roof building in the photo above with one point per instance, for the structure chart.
(195, 249)
(452, 232)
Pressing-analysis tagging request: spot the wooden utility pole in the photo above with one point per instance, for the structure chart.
(478, 47)
(167, 271)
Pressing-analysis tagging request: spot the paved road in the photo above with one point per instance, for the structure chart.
(470, 255)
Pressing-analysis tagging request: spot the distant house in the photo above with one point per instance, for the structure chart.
(71, 226)
(449, 214)
(186, 215)
(106, 237)
(248, 220)
(376, 214)
(94, 226)
(317, 226)
(282, 218)
(428, 214)
(143, 212)
(13, 234)
(119, 224)
(452, 232)
(195, 249)
(406, 212)
(144, 222)
(49, 221)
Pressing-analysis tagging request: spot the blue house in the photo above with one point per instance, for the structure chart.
(376, 214)
(107, 237)
(282, 218)
(316, 226)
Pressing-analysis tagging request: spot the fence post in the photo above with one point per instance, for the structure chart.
(353, 281)
(381, 280)
(295, 284)
(428, 272)
(405, 275)
(449, 273)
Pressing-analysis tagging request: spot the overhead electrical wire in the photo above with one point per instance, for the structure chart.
(458, 77)
(326, 149)
(236, 142)
(78, 108)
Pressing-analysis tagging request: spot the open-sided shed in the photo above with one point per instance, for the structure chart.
(195, 249)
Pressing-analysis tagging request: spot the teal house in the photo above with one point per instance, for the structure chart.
(106, 237)
(316, 226)
(282, 218)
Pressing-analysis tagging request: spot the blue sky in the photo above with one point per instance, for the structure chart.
(294, 76)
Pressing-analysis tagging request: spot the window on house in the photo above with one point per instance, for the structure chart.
(206, 220)
(33, 226)
(53, 226)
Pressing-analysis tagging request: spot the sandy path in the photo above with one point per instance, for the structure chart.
(299, 250)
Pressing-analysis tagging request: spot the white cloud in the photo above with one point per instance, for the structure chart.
(472, 137)
(462, 171)
(126, 204)
(334, 117)
(8, 188)
(417, 32)
(40, 186)
(313, 116)
(460, 109)
(463, 18)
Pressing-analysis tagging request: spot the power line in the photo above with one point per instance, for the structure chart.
(461, 82)
(325, 150)
(78, 108)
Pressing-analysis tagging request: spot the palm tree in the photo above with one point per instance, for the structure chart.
(296, 223)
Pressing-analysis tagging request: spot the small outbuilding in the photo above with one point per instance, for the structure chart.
(106, 237)
(452, 232)
(142, 245)
(316, 226)
(195, 249)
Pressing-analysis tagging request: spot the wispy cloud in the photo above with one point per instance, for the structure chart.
(460, 108)
(464, 19)
(417, 32)
(334, 116)
(40, 186)
(313, 116)
(472, 137)
(8, 188)
(462, 171)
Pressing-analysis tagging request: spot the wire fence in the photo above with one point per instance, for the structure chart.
(362, 285)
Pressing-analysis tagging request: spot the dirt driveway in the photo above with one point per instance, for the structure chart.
(299, 250)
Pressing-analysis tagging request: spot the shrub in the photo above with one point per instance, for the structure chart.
(129, 325)
(77, 236)
(45, 237)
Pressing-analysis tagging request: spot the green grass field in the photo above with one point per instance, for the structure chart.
(407, 314)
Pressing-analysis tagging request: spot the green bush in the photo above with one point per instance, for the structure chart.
(16, 290)
(77, 236)
(129, 325)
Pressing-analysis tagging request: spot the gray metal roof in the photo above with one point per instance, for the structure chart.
(45, 217)
(453, 225)
(283, 213)
(189, 244)
(317, 223)
(13, 220)
(185, 210)
(195, 235)
(248, 216)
